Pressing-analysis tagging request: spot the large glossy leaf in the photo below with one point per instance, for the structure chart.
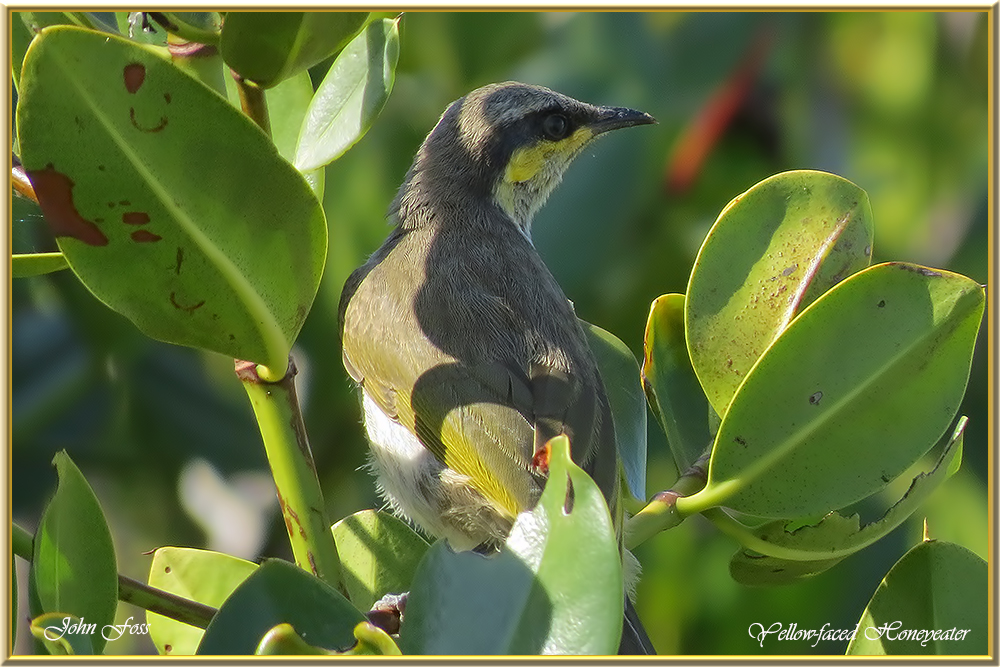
(379, 555)
(622, 381)
(351, 95)
(73, 566)
(267, 47)
(773, 250)
(279, 592)
(171, 206)
(934, 601)
(671, 385)
(861, 385)
(556, 588)
(204, 576)
(778, 553)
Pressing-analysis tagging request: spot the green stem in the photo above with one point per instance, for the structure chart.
(132, 591)
(253, 102)
(662, 513)
(280, 420)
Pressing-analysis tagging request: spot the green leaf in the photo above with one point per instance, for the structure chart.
(351, 96)
(224, 253)
(778, 553)
(772, 252)
(200, 27)
(542, 593)
(671, 385)
(287, 104)
(208, 577)
(279, 592)
(283, 640)
(372, 640)
(379, 555)
(856, 390)
(267, 47)
(36, 264)
(622, 381)
(73, 566)
(65, 634)
(934, 601)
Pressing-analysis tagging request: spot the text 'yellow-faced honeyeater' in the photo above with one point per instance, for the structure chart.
(468, 354)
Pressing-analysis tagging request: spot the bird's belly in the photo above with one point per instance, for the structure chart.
(422, 489)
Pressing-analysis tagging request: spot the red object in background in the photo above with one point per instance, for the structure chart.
(701, 135)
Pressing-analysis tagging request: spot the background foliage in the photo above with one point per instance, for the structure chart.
(895, 102)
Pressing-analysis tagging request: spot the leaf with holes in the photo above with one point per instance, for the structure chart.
(172, 207)
(543, 593)
(204, 576)
(776, 553)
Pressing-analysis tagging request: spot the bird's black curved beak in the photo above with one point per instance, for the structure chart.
(613, 118)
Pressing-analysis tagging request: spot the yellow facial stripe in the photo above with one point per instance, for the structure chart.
(527, 161)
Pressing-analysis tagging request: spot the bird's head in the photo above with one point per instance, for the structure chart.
(510, 143)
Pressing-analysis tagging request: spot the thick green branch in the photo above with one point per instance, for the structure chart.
(280, 420)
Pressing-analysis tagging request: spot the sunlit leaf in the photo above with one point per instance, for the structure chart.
(223, 252)
(542, 593)
(773, 251)
(856, 390)
(351, 95)
(204, 576)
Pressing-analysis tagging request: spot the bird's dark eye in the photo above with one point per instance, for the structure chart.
(555, 126)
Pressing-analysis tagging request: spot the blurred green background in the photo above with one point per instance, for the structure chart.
(896, 102)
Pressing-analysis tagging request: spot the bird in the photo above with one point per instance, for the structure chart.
(467, 352)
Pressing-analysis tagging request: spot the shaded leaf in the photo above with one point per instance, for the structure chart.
(223, 254)
(779, 553)
(857, 389)
(622, 381)
(279, 592)
(204, 576)
(73, 566)
(773, 251)
(379, 555)
(268, 47)
(671, 385)
(350, 97)
(934, 601)
(543, 593)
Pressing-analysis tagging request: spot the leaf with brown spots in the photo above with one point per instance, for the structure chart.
(253, 234)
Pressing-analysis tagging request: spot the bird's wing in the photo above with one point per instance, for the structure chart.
(473, 418)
